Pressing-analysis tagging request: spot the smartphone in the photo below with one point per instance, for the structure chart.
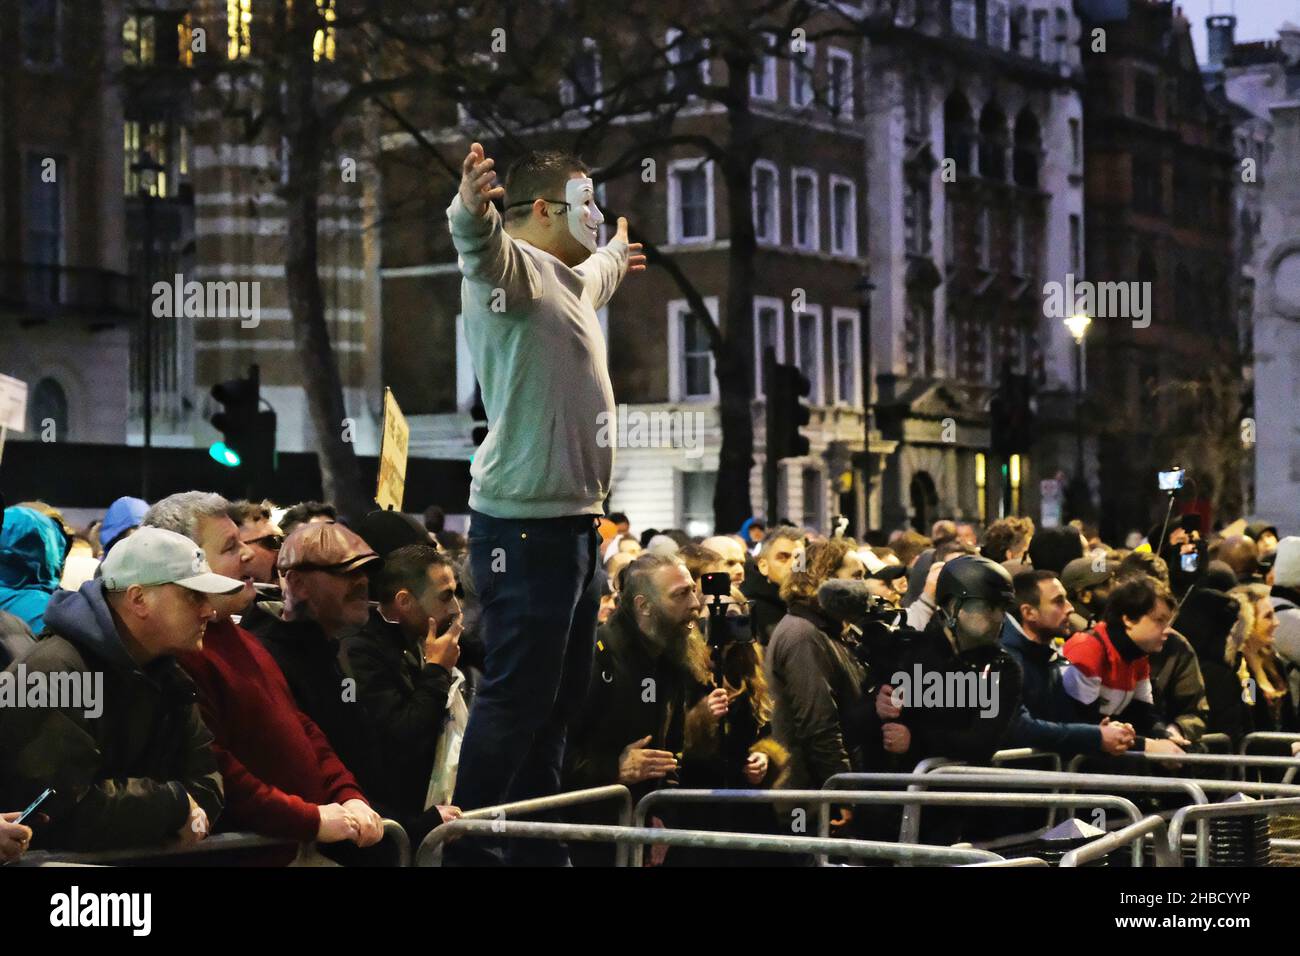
(1172, 480)
(1189, 561)
(49, 792)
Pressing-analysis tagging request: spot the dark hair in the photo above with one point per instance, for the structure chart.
(1135, 598)
(618, 517)
(1143, 564)
(538, 174)
(242, 511)
(636, 578)
(697, 557)
(304, 511)
(908, 545)
(434, 519)
(1026, 585)
(408, 568)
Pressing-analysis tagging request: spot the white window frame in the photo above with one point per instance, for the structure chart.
(675, 236)
(851, 250)
(762, 82)
(846, 106)
(964, 19)
(803, 172)
(762, 302)
(850, 317)
(817, 395)
(673, 52)
(770, 167)
(804, 64)
(678, 309)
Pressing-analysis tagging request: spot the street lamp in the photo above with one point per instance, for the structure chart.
(148, 169)
(1078, 326)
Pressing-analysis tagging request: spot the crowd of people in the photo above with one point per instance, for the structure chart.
(289, 672)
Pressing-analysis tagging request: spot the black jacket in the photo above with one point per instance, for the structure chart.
(765, 605)
(819, 691)
(959, 729)
(312, 665)
(621, 708)
(125, 776)
(15, 638)
(404, 704)
(1206, 619)
(1179, 688)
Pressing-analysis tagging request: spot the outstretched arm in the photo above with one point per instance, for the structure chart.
(604, 269)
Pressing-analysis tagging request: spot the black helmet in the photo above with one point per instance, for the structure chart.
(974, 576)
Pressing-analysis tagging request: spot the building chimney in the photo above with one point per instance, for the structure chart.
(1220, 30)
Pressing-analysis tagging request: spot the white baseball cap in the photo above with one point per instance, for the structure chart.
(154, 556)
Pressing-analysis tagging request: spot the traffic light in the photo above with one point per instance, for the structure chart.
(247, 433)
(786, 411)
(1011, 414)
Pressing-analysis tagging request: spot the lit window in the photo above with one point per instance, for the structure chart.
(322, 47)
(239, 22)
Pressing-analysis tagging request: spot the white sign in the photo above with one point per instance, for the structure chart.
(13, 404)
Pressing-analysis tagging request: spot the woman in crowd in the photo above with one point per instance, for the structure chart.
(1271, 706)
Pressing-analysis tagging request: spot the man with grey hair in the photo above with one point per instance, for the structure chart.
(780, 551)
(283, 777)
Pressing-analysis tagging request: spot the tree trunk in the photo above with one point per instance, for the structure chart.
(305, 139)
(735, 358)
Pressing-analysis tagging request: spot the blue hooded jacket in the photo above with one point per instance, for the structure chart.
(32, 551)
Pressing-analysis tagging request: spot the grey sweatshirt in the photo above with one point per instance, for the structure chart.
(535, 340)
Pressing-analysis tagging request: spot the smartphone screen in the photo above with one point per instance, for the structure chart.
(49, 792)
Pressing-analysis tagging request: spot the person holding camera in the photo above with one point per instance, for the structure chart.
(817, 681)
(650, 669)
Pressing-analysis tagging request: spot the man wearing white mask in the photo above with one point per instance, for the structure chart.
(532, 284)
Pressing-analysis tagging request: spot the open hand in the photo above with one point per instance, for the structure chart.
(635, 258)
(478, 181)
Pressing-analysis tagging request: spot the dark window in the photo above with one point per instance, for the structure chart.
(1144, 95)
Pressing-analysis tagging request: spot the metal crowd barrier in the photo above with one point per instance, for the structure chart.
(1204, 812)
(214, 845)
(1019, 754)
(425, 855)
(1271, 737)
(1133, 833)
(1018, 861)
(825, 798)
(636, 838)
(1238, 762)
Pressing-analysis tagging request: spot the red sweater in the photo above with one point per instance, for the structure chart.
(277, 764)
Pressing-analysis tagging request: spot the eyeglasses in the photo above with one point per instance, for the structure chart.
(271, 542)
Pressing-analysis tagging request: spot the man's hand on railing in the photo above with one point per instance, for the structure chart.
(336, 824)
(1176, 735)
(1116, 737)
(449, 813)
(1157, 746)
(370, 825)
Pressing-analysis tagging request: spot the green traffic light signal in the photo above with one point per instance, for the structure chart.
(223, 454)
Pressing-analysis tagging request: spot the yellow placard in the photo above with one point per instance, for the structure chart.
(392, 456)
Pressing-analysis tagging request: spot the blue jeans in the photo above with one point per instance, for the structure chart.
(539, 596)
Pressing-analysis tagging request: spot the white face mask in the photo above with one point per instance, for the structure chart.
(584, 217)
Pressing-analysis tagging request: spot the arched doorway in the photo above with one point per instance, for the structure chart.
(49, 403)
(925, 502)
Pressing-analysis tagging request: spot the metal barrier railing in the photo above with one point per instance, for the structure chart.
(216, 844)
(960, 775)
(1221, 742)
(1200, 786)
(1210, 811)
(1013, 862)
(555, 801)
(825, 798)
(1271, 737)
(638, 837)
(1018, 754)
(1238, 762)
(1133, 833)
